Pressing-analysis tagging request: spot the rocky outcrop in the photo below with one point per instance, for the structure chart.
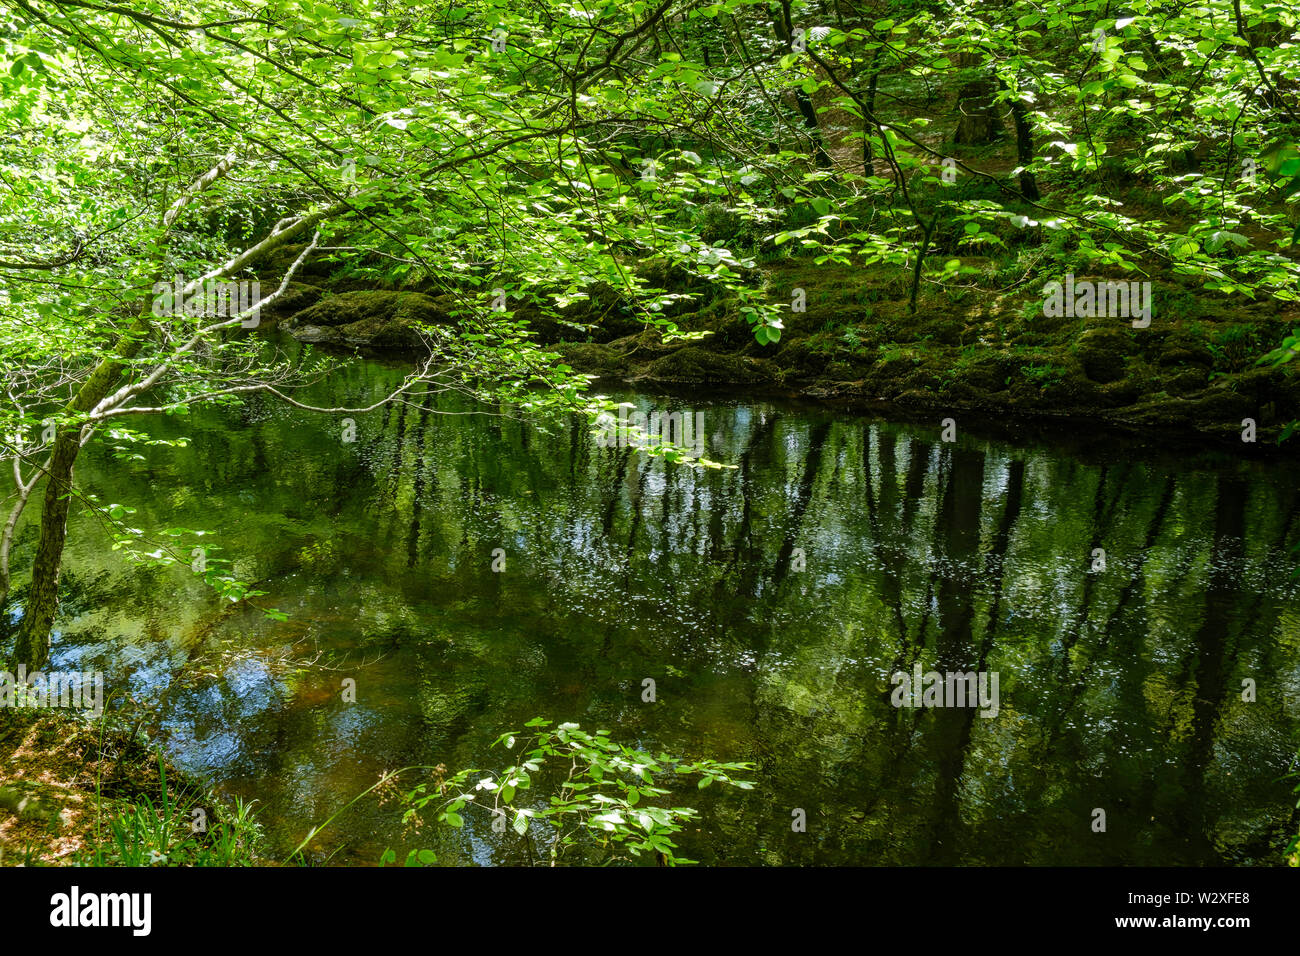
(369, 319)
(1193, 370)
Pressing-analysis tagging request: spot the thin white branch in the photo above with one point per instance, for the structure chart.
(199, 185)
(129, 391)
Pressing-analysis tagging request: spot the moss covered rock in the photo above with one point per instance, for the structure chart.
(295, 298)
(375, 319)
(694, 365)
(1103, 354)
(594, 358)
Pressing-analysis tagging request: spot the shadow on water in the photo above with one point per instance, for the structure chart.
(770, 603)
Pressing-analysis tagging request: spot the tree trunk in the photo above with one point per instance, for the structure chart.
(7, 540)
(868, 157)
(1024, 147)
(920, 260)
(978, 123)
(33, 645)
(784, 28)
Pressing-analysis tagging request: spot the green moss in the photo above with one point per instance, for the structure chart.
(378, 319)
(594, 358)
(694, 365)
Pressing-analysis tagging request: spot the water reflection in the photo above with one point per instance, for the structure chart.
(769, 602)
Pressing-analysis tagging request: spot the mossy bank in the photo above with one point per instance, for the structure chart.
(987, 354)
(83, 790)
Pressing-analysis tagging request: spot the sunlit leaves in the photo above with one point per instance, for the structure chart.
(599, 798)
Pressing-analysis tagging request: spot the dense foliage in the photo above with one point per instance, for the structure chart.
(570, 161)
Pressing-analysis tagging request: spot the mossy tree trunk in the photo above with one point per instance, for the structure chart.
(33, 645)
(978, 123)
(1024, 147)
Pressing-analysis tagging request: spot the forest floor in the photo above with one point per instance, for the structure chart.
(51, 765)
(76, 791)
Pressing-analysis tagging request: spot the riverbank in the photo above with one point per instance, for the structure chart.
(80, 791)
(1192, 374)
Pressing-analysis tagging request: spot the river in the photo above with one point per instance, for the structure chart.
(770, 604)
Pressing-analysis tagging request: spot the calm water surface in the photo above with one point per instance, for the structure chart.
(1118, 689)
